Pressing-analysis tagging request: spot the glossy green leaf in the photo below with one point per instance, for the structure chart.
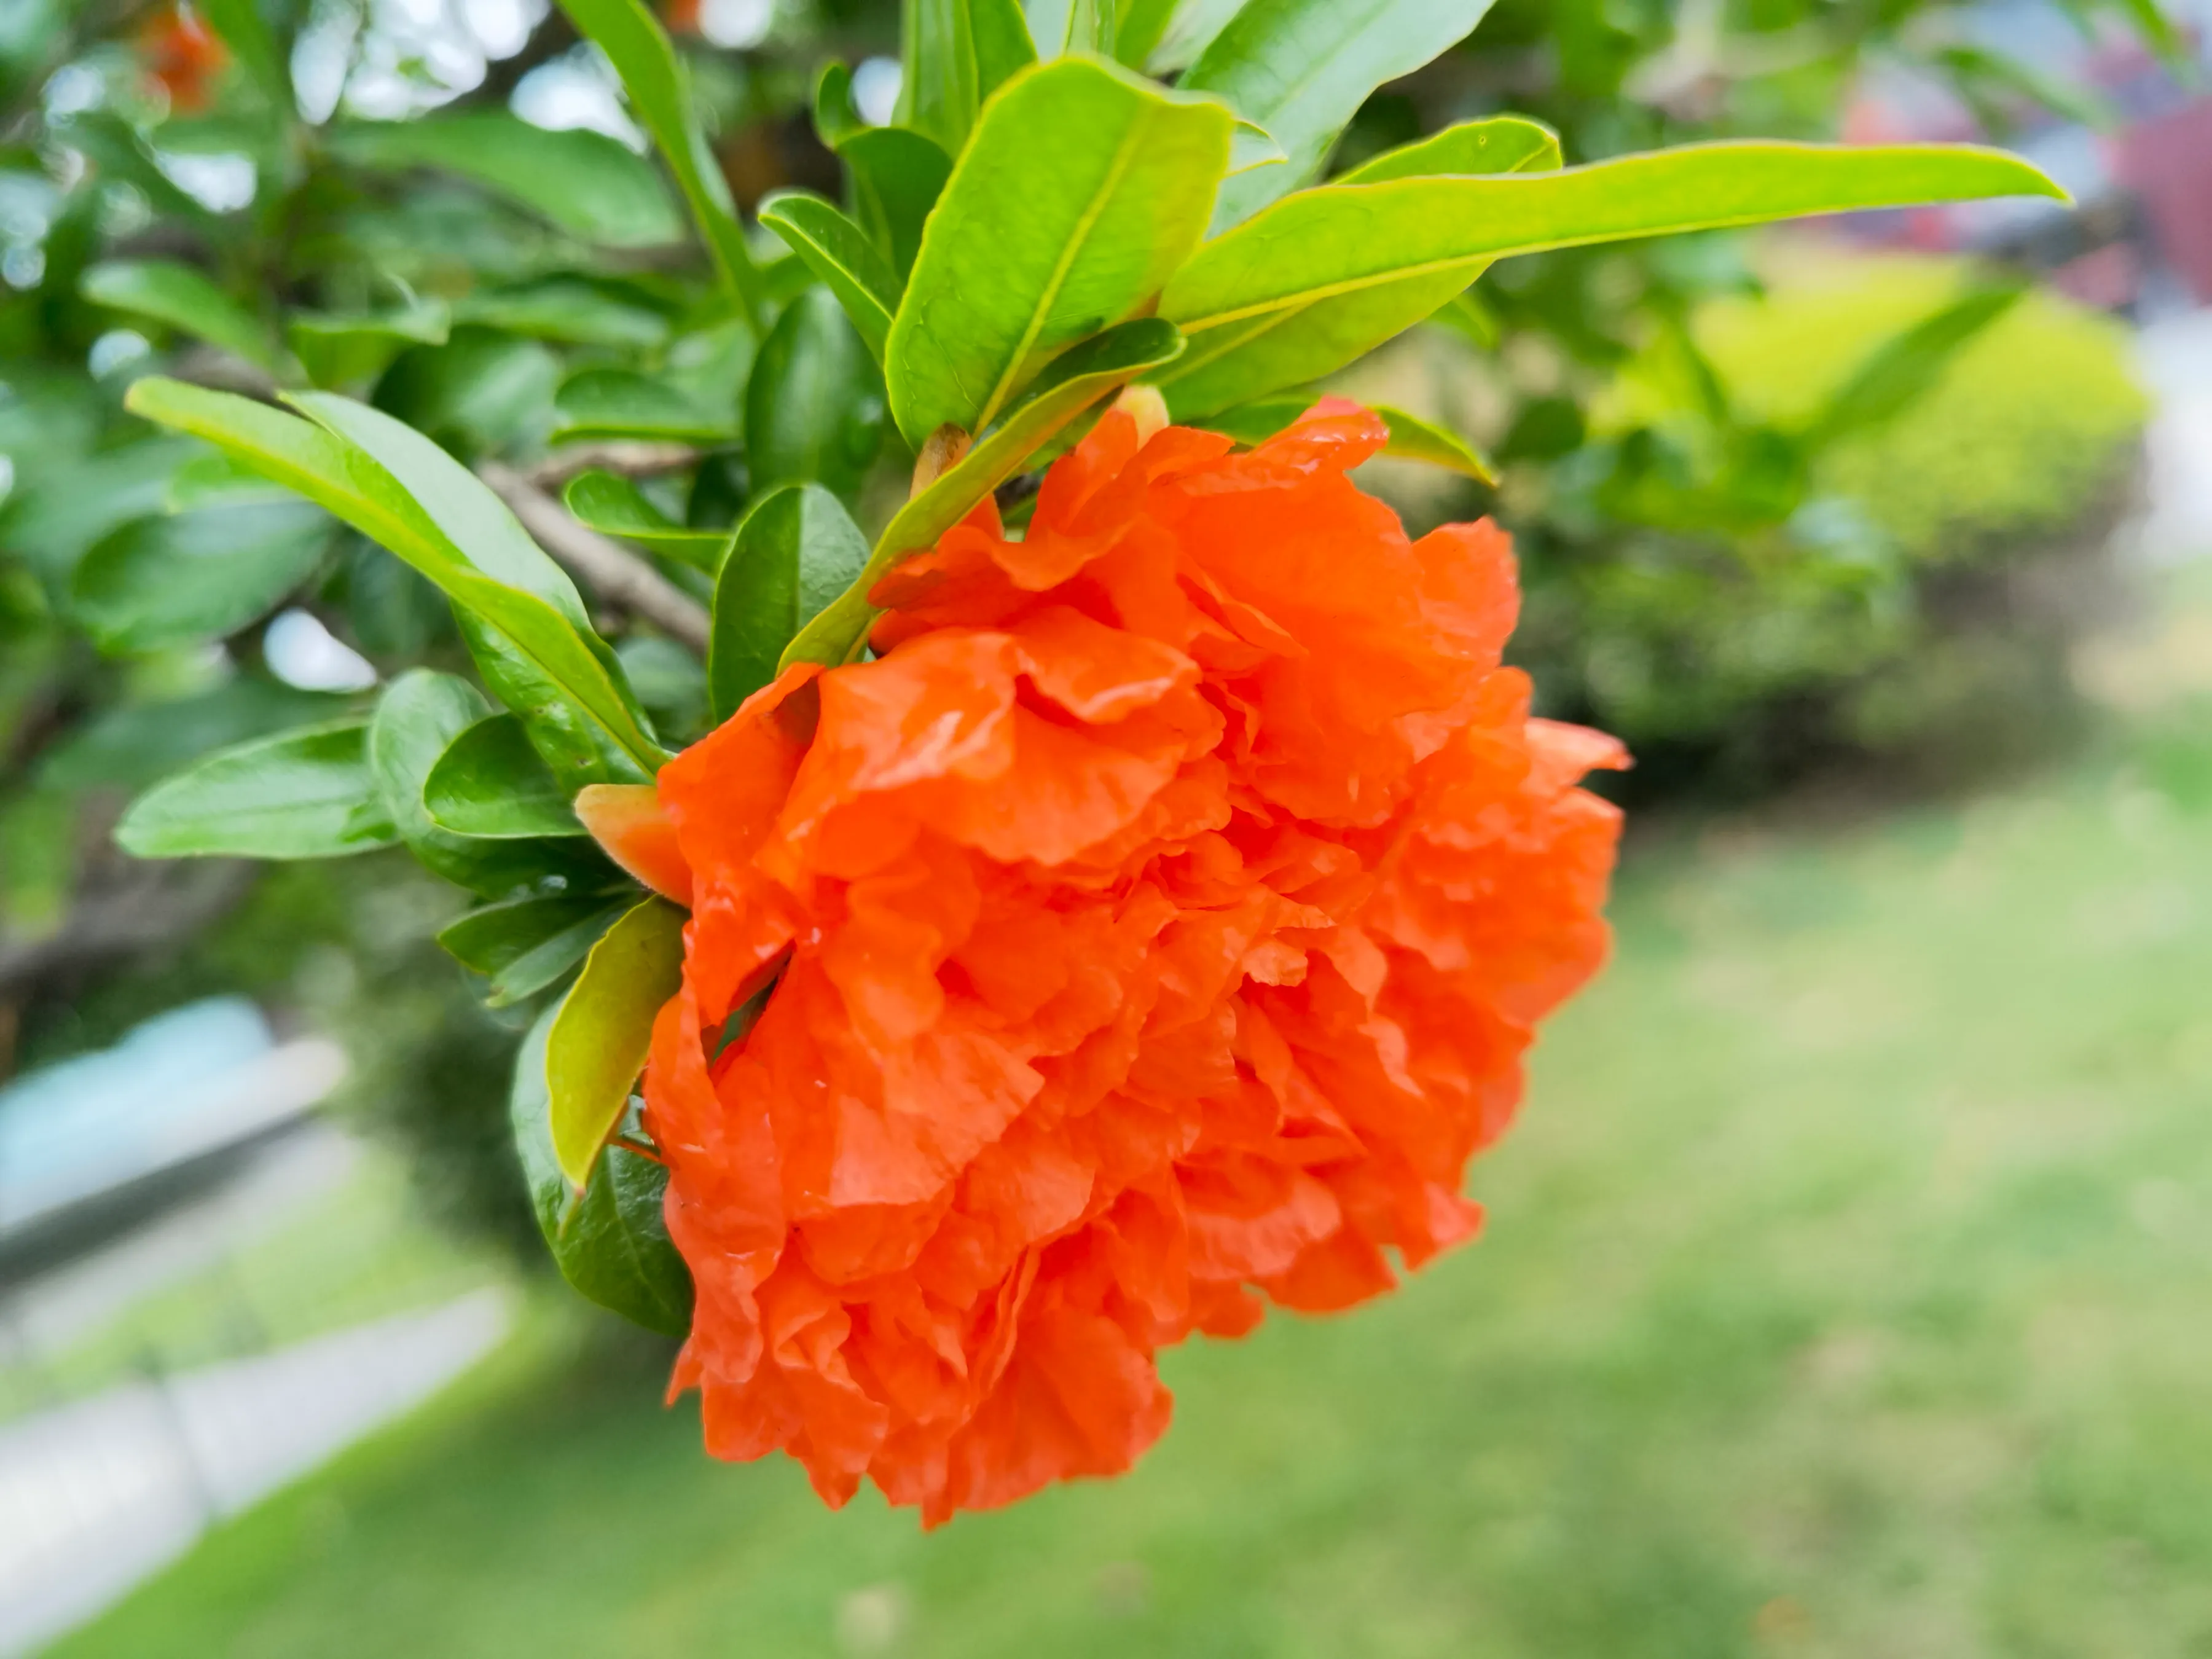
(897, 176)
(839, 252)
(939, 91)
(1496, 144)
(196, 576)
(1192, 27)
(181, 297)
(795, 553)
(600, 1040)
(338, 349)
(615, 506)
(537, 632)
(1325, 276)
(488, 783)
(1083, 189)
(524, 944)
(418, 722)
(1075, 381)
(660, 98)
(246, 32)
(137, 744)
(814, 405)
(565, 309)
(584, 182)
(306, 794)
(610, 1241)
(1412, 438)
(614, 403)
(1302, 68)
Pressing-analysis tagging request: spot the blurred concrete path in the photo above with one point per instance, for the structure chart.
(96, 1495)
(2176, 358)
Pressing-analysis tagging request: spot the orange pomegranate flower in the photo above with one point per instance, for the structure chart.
(1155, 926)
(183, 55)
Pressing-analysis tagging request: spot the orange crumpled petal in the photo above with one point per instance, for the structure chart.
(1156, 926)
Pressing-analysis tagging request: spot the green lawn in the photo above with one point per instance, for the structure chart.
(1847, 1291)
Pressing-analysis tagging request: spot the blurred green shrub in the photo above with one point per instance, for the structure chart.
(1860, 515)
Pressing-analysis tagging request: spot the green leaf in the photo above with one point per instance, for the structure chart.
(1498, 143)
(488, 783)
(660, 98)
(1412, 438)
(1144, 26)
(797, 551)
(181, 297)
(1192, 26)
(1060, 27)
(243, 29)
(567, 309)
(1003, 46)
(835, 118)
(814, 404)
(306, 794)
(418, 722)
(137, 744)
(1073, 384)
(524, 945)
(1302, 68)
(532, 631)
(615, 506)
(1322, 277)
(1083, 189)
(938, 89)
(897, 176)
(196, 576)
(841, 254)
(600, 1040)
(610, 1241)
(614, 403)
(1902, 369)
(211, 478)
(1301, 345)
(349, 349)
(583, 182)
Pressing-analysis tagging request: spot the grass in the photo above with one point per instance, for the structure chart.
(1844, 1295)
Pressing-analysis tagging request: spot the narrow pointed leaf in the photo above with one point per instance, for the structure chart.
(1083, 189)
(304, 795)
(814, 405)
(1060, 27)
(598, 1042)
(536, 633)
(615, 506)
(1302, 69)
(337, 348)
(586, 183)
(660, 99)
(939, 93)
(523, 945)
(795, 553)
(181, 297)
(1496, 144)
(1901, 370)
(610, 1241)
(488, 783)
(1342, 238)
(1070, 385)
(1144, 25)
(840, 253)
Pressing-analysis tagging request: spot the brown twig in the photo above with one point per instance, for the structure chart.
(631, 459)
(618, 576)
